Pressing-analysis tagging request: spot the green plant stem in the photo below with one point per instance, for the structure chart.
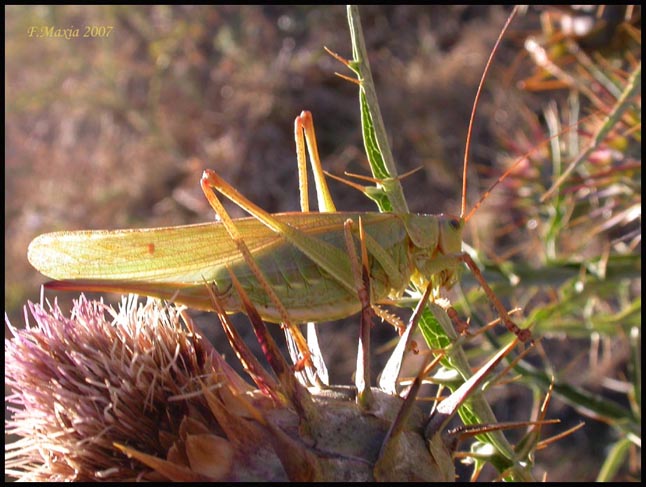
(378, 150)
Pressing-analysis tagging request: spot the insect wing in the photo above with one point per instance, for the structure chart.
(182, 255)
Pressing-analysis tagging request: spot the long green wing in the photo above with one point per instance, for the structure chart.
(186, 255)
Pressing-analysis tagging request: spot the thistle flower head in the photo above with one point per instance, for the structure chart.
(140, 395)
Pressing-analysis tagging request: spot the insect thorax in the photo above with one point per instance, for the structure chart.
(435, 255)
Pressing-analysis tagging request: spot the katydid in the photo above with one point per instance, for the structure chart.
(302, 257)
(295, 267)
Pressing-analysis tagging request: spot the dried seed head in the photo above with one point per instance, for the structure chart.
(139, 395)
(82, 383)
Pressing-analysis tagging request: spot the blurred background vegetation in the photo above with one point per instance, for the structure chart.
(114, 132)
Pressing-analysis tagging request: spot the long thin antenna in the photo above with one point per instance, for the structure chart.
(467, 145)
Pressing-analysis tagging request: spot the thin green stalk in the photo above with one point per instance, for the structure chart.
(389, 194)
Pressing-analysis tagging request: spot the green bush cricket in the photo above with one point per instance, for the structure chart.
(302, 257)
(295, 266)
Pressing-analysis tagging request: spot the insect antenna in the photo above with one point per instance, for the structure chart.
(467, 145)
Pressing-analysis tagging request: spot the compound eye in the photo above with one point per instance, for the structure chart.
(455, 223)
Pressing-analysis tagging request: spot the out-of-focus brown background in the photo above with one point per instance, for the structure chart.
(114, 131)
